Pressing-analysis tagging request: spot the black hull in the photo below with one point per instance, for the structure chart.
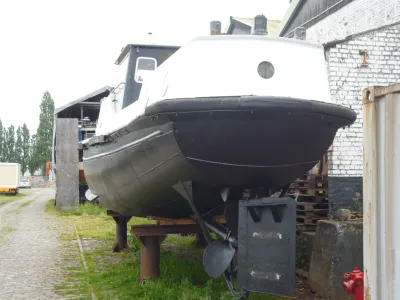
(238, 142)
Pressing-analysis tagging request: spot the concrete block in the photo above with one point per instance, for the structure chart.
(337, 249)
(67, 159)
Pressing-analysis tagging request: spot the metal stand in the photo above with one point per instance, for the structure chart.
(121, 231)
(151, 238)
(150, 256)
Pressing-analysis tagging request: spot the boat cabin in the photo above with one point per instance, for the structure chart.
(134, 63)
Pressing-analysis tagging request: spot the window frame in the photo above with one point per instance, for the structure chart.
(137, 66)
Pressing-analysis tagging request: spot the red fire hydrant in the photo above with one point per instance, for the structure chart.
(354, 284)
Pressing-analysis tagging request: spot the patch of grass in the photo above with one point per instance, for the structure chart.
(81, 210)
(5, 228)
(4, 231)
(51, 206)
(115, 275)
(26, 203)
(9, 198)
(91, 220)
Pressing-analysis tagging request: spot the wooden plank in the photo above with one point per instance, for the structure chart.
(309, 220)
(309, 191)
(67, 163)
(300, 227)
(315, 213)
(304, 184)
(306, 206)
(182, 221)
(309, 199)
(154, 230)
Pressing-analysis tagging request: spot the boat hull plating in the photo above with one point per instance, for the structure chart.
(216, 142)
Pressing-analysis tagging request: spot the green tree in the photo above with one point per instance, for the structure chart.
(44, 134)
(25, 148)
(18, 147)
(2, 158)
(33, 162)
(10, 144)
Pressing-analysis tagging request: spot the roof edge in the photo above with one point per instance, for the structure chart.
(128, 47)
(290, 13)
(102, 90)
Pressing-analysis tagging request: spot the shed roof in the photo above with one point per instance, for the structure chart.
(73, 106)
(305, 13)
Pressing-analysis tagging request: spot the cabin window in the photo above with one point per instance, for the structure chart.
(144, 66)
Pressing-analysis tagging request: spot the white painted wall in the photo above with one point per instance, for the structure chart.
(355, 17)
(347, 80)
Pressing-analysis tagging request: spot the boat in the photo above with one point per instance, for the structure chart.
(223, 112)
(221, 125)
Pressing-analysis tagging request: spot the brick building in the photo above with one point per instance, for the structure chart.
(362, 48)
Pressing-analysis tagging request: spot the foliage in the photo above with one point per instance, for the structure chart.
(301, 252)
(15, 146)
(10, 144)
(358, 204)
(2, 150)
(25, 148)
(33, 164)
(31, 153)
(44, 134)
(18, 147)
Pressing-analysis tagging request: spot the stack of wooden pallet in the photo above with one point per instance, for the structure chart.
(311, 193)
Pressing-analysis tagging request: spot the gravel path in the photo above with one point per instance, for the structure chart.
(33, 258)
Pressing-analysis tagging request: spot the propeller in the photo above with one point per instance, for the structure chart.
(217, 257)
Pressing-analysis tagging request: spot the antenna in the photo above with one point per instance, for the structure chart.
(150, 33)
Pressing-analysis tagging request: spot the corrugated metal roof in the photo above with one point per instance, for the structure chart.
(104, 90)
(272, 25)
(306, 13)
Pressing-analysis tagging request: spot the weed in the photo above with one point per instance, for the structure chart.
(5, 228)
(80, 210)
(26, 203)
(301, 252)
(358, 204)
(4, 199)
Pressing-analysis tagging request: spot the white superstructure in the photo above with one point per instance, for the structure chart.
(220, 66)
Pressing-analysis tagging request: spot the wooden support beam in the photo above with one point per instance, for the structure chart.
(181, 221)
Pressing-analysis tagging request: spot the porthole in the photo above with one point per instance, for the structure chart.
(266, 70)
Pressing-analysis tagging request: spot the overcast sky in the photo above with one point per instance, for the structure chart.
(69, 47)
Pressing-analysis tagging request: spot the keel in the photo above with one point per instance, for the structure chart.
(260, 231)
